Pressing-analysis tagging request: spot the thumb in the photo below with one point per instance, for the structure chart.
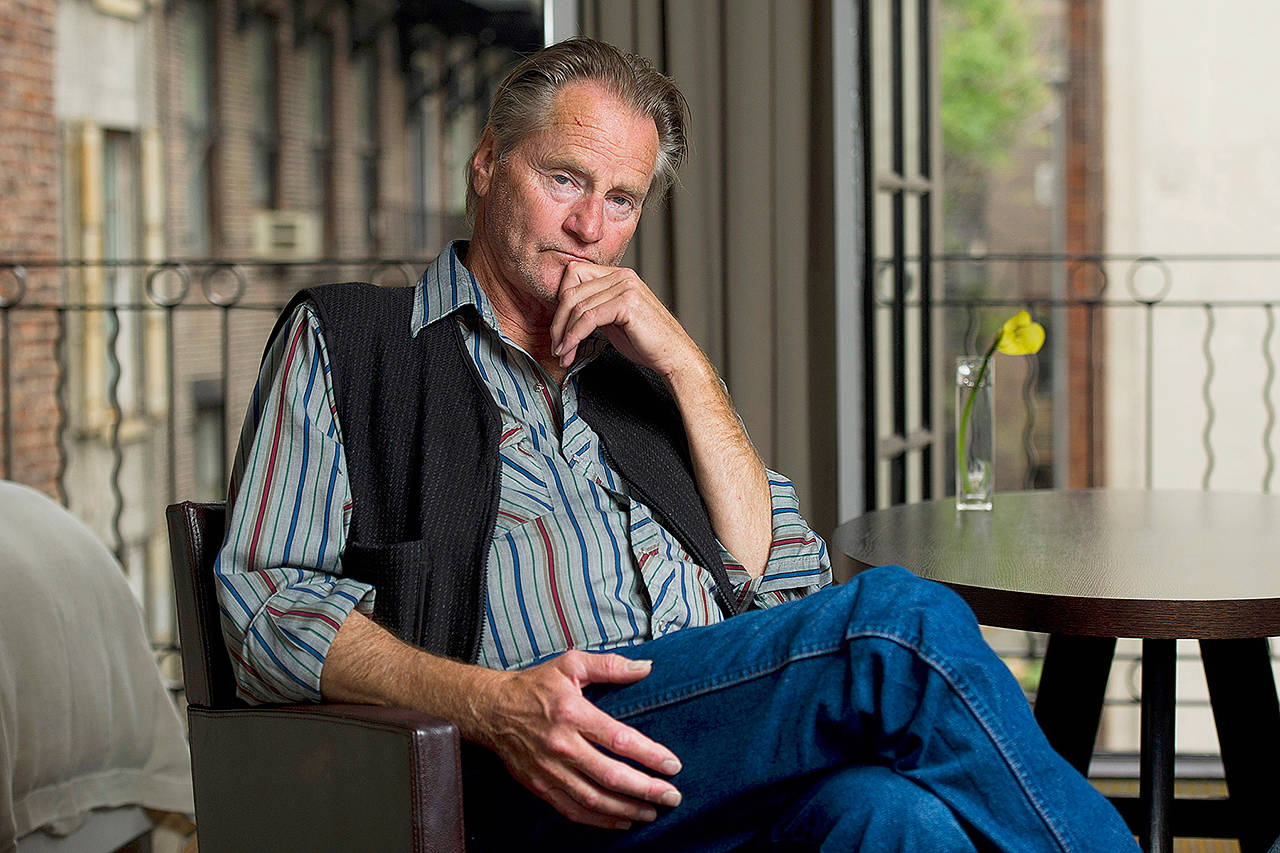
(615, 669)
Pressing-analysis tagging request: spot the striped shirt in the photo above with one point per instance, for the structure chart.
(575, 560)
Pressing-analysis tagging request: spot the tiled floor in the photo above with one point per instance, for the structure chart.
(1181, 788)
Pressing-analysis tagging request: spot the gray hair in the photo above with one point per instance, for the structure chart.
(524, 100)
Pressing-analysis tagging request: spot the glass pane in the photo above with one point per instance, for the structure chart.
(319, 61)
(367, 97)
(197, 196)
(369, 197)
(197, 63)
(320, 181)
(262, 74)
(264, 173)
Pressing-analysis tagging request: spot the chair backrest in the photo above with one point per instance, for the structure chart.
(195, 536)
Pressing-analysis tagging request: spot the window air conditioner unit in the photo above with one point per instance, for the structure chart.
(286, 235)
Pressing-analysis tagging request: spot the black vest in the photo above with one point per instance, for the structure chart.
(420, 437)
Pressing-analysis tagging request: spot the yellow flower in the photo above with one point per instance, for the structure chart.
(1020, 336)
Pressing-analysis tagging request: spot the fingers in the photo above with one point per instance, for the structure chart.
(621, 739)
(603, 729)
(599, 787)
(559, 750)
(599, 312)
(579, 283)
(596, 668)
(614, 306)
(569, 807)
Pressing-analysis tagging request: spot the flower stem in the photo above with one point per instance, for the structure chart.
(968, 408)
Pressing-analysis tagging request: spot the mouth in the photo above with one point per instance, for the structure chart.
(570, 256)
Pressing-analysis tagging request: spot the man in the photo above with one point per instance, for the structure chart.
(525, 460)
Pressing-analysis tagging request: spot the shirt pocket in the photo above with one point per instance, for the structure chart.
(525, 489)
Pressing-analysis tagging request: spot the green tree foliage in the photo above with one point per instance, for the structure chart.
(991, 80)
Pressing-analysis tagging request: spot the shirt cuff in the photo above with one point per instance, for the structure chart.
(798, 561)
(286, 643)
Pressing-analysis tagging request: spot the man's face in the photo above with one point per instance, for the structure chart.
(570, 191)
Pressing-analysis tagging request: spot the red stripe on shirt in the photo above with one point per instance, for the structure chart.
(305, 613)
(551, 407)
(249, 669)
(551, 576)
(275, 445)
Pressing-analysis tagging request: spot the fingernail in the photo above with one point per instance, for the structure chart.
(671, 767)
(639, 664)
(556, 351)
(671, 798)
(622, 824)
(648, 814)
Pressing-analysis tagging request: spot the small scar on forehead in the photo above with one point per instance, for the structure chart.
(577, 121)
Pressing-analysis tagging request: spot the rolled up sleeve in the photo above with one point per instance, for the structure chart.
(798, 561)
(279, 573)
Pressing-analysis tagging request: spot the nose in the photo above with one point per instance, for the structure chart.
(586, 220)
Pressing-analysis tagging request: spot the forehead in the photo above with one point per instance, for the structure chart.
(598, 133)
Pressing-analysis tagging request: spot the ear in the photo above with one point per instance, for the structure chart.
(484, 162)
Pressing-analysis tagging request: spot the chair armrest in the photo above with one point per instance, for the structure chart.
(325, 777)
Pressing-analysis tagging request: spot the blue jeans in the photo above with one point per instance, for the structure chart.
(869, 716)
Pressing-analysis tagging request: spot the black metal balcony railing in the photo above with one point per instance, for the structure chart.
(173, 348)
(1062, 286)
(1195, 308)
(141, 324)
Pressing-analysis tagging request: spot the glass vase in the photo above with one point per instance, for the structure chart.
(975, 429)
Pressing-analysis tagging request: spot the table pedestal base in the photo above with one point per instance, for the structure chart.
(1155, 785)
(1246, 713)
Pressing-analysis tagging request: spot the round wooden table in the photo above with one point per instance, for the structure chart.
(1089, 566)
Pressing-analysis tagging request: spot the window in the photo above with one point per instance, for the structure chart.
(208, 438)
(319, 62)
(196, 35)
(905, 452)
(264, 87)
(120, 240)
(367, 142)
(418, 160)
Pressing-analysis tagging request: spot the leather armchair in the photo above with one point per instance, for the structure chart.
(300, 777)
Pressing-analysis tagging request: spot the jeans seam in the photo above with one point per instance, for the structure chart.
(970, 702)
(980, 715)
(728, 680)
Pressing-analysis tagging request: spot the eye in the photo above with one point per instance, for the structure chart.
(622, 202)
(562, 179)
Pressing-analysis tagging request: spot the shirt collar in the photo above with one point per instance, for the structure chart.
(447, 286)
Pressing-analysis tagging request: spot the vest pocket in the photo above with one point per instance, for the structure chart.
(398, 572)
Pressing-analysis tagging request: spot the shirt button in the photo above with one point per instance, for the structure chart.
(538, 387)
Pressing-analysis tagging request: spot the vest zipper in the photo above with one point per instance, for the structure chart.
(495, 484)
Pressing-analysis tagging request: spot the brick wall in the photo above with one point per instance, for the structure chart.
(200, 339)
(29, 230)
(1085, 206)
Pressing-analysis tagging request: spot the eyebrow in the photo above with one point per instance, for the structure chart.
(556, 161)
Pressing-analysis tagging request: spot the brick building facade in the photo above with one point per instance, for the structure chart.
(28, 230)
(216, 155)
